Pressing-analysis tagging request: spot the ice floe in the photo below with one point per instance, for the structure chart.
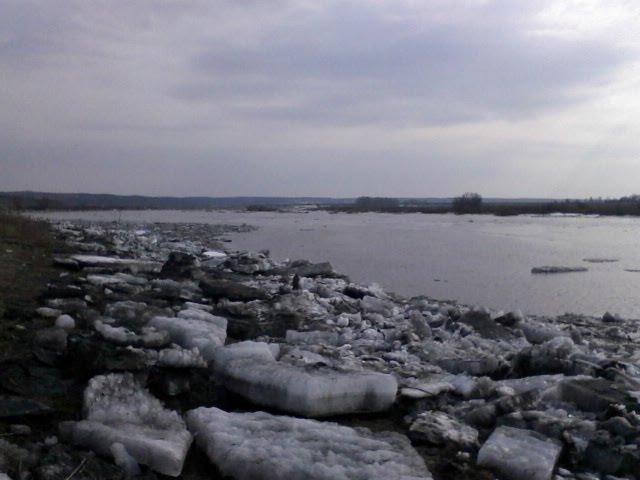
(256, 445)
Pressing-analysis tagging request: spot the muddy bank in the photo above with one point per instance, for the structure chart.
(153, 335)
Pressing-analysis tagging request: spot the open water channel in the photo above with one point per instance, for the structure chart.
(479, 260)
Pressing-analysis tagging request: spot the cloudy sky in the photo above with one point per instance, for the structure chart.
(323, 98)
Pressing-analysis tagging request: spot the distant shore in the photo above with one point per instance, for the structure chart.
(42, 201)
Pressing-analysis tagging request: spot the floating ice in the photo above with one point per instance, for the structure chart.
(119, 410)
(516, 454)
(554, 269)
(311, 391)
(190, 333)
(259, 445)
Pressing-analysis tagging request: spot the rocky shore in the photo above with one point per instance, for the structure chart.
(166, 355)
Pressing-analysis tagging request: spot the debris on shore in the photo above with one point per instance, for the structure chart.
(168, 356)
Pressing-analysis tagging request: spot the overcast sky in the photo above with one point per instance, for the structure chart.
(321, 98)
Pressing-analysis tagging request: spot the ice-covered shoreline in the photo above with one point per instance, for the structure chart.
(525, 397)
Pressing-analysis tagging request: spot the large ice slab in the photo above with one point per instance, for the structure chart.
(516, 454)
(311, 391)
(259, 445)
(192, 332)
(119, 410)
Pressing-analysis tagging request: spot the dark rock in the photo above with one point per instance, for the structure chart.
(508, 320)
(217, 289)
(87, 356)
(553, 425)
(595, 394)
(550, 357)
(609, 318)
(478, 366)
(217, 274)
(620, 426)
(607, 457)
(179, 265)
(170, 382)
(486, 415)
(482, 323)
(49, 345)
(356, 291)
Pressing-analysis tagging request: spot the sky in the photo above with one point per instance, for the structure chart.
(403, 98)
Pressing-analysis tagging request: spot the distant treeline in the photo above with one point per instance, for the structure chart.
(93, 201)
(473, 203)
(466, 203)
(612, 207)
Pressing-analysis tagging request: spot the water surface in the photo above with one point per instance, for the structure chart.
(481, 260)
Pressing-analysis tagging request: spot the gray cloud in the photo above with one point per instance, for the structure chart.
(285, 97)
(354, 66)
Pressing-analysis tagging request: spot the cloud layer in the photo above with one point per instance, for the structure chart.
(399, 98)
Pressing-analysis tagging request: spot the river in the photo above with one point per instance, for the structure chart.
(475, 259)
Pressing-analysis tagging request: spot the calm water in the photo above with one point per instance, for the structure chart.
(480, 260)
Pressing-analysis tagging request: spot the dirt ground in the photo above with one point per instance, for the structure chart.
(26, 249)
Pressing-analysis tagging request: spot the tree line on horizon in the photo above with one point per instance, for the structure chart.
(467, 203)
(473, 203)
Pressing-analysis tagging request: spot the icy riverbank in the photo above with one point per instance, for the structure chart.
(458, 389)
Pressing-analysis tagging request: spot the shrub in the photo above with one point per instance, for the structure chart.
(467, 203)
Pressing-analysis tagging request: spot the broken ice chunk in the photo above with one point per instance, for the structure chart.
(198, 314)
(260, 351)
(190, 332)
(311, 391)
(516, 454)
(119, 410)
(259, 445)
